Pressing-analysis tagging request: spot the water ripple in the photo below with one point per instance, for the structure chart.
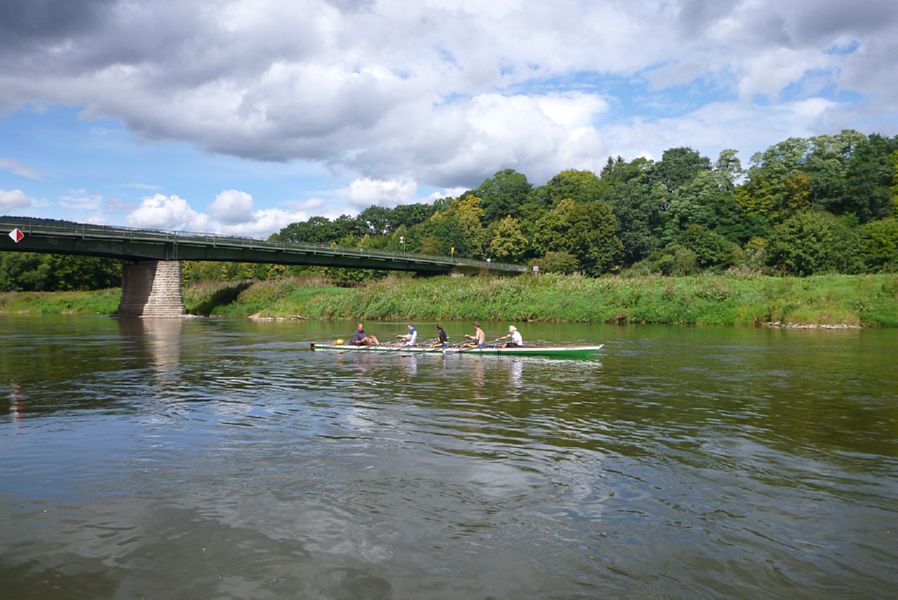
(226, 460)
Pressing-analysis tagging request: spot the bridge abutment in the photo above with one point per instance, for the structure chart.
(151, 289)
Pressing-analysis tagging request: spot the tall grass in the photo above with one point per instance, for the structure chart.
(869, 300)
(851, 300)
(98, 302)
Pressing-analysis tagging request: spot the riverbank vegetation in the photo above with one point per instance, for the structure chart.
(824, 300)
(807, 234)
(804, 206)
(870, 300)
(826, 204)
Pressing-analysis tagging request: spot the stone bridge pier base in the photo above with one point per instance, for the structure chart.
(151, 289)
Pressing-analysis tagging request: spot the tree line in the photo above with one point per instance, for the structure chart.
(803, 206)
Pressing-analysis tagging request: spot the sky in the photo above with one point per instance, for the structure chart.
(242, 116)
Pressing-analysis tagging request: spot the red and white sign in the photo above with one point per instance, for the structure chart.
(16, 235)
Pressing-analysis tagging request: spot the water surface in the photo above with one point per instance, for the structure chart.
(215, 458)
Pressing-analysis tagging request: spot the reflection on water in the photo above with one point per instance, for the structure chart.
(157, 339)
(221, 459)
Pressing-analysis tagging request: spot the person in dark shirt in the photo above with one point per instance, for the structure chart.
(442, 338)
(360, 338)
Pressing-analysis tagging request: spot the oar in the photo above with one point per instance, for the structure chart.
(454, 348)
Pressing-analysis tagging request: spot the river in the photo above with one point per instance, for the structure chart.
(220, 459)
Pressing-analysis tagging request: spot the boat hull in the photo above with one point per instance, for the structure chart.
(541, 351)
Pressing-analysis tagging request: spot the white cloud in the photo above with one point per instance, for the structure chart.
(445, 93)
(231, 206)
(445, 193)
(167, 212)
(10, 199)
(572, 110)
(537, 135)
(716, 126)
(307, 204)
(18, 168)
(90, 207)
(82, 201)
(230, 213)
(262, 222)
(147, 187)
(769, 73)
(365, 192)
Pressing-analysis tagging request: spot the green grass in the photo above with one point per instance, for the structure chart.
(99, 302)
(851, 300)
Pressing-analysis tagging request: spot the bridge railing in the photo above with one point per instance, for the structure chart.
(31, 226)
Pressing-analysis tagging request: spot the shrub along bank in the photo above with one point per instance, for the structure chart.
(848, 300)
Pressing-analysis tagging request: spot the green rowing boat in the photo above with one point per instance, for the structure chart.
(542, 351)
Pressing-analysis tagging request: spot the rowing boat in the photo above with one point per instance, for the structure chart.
(542, 351)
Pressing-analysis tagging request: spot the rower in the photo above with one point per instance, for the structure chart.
(478, 339)
(514, 337)
(360, 338)
(411, 337)
(442, 338)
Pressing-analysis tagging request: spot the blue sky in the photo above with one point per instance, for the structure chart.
(241, 116)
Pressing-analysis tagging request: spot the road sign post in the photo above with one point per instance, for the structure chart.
(16, 235)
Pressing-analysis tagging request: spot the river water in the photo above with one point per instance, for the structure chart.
(220, 459)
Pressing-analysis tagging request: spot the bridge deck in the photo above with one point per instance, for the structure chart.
(140, 244)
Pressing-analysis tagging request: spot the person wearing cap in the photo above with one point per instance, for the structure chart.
(411, 337)
(514, 337)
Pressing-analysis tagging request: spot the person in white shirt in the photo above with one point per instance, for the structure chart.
(411, 337)
(514, 337)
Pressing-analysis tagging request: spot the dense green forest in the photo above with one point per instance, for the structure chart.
(804, 206)
(26, 271)
(826, 204)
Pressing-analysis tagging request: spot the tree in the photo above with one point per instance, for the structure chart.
(767, 191)
(825, 167)
(580, 186)
(894, 188)
(557, 262)
(729, 167)
(813, 242)
(638, 204)
(678, 166)
(587, 231)
(83, 272)
(375, 220)
(458, 226)
(711, 249)
(508, 242)
(347, 227)
(503, 194)
(409, 215)
(868, 178)
(879, 245)
(316, 230)
(28, 271)
(707, 201)
(23, 271)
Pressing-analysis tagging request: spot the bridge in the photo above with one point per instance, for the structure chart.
(151, 275)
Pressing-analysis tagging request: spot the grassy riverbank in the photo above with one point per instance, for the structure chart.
(99, 302)
(834, 300)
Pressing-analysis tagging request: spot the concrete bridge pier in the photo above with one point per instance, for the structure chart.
(151, 289)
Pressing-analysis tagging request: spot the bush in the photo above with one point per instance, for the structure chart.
(879, 245)
(711, 249)
(677, 261)
(814, 242)
(557, 262)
